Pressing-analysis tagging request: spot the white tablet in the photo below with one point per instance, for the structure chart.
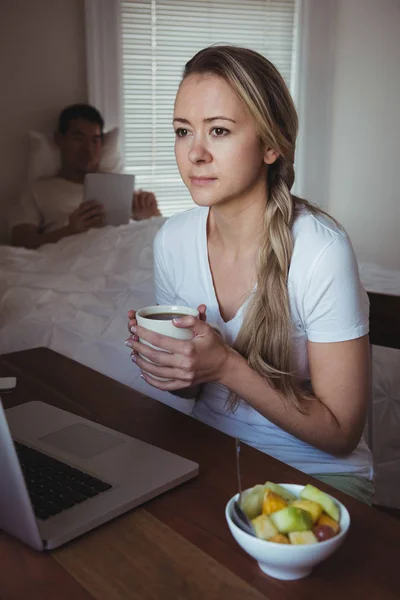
(114, 191)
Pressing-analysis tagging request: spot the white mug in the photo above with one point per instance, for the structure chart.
(159, 319)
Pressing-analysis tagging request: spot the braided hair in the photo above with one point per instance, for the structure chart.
(265, 337)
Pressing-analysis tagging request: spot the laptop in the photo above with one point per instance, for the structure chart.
(114, 191)
(62, 475)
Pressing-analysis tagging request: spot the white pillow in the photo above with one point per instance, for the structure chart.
(44, 158)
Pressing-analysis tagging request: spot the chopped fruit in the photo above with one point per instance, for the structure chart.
(315, 495)
(284, 518)
(313, 508)
(325, 520)
(302, 537)
(252, 501)
(272, 503)
(291, 518)
(279, 538)
(278, 489)
(323, 532)
(264, 527)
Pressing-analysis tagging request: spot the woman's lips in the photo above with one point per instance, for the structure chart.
(202, 180)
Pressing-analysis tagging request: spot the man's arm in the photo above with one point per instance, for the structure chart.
(88, 214)
(28, 236)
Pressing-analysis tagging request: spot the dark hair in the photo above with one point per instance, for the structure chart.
(79, 111)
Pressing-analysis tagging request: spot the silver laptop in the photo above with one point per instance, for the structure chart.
(79, 474)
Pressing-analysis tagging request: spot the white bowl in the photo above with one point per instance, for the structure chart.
(284, 561)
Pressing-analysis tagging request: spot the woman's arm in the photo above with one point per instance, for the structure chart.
(335, 415)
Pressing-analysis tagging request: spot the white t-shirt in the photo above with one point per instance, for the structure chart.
(47, 203)
(327, 304)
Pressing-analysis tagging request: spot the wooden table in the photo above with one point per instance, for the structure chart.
(178, 545)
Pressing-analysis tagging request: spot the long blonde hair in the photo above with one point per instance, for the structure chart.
(265, 337)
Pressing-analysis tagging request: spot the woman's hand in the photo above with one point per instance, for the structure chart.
(184, 363)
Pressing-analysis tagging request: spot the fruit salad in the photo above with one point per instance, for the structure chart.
(279, 516)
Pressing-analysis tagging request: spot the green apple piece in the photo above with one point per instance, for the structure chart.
(302, 537)
(314, 508)
(264, 527)
(278, 489)
(291, 518)
(309, 492)
(252, 501)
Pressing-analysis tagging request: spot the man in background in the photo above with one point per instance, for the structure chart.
(53, 208)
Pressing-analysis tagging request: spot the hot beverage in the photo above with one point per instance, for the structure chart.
(165, 316)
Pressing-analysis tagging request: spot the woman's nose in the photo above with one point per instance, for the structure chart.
(199, 152)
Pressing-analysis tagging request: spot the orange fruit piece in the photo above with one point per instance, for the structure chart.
(272, 503)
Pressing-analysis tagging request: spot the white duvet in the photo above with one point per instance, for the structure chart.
(73, 297)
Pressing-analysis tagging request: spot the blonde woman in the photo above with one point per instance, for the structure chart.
(277, 275)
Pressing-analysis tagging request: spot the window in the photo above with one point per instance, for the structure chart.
(158, 38)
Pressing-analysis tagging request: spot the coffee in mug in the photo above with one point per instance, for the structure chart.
(165, 316)
(159, 319)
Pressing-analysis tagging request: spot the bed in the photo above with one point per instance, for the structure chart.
(73, 297)
(383, 286)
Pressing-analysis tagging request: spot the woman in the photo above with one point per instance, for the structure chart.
(291, 376)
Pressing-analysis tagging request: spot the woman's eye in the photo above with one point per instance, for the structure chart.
(181, 132)
(220, 131)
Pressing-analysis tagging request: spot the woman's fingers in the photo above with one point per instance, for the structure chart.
(174, 367)
(184, 377)
(130, 340)
(202, 308)
(132, 319)
(162, 341)
(159, 357)
(131, 323)
(185, 322)
(169, 385)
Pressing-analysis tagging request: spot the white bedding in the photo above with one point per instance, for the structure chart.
(73, 297)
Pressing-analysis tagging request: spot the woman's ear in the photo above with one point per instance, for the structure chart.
(270, 156)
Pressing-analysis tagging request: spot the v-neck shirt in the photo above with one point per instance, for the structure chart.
(327, 304)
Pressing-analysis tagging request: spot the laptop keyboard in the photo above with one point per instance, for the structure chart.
(54, 486)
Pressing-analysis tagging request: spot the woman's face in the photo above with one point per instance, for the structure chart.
(217, 147)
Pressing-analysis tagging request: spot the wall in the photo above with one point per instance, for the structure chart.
(364, 193)
(42, 69)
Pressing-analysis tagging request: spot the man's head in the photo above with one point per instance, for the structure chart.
(80, 139)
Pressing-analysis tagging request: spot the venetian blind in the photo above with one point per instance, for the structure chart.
(158, 38)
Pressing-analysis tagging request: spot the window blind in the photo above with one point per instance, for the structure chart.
(158, 38)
